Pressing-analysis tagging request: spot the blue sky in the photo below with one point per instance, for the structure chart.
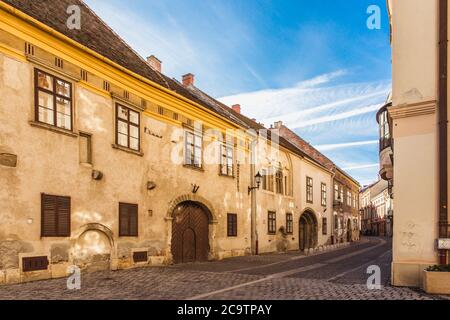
(312, 64)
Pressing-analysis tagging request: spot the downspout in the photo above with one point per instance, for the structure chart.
(443, 120)
(254, 232)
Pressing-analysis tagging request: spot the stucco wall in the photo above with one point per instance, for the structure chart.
(48, 162)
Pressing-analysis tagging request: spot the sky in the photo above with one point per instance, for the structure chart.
(315, 65)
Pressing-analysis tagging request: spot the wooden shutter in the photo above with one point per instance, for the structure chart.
(63, 216)
(128, 220)
(55, 216)
(48, 216)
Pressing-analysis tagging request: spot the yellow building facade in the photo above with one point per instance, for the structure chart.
(106, 163)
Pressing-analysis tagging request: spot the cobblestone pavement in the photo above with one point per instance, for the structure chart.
(338, 274)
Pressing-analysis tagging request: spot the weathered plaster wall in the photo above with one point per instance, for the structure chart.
(48, 162)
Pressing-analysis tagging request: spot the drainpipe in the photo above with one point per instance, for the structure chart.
(254, 232)
(443, 120)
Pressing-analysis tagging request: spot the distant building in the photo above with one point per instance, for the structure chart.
(376, 210)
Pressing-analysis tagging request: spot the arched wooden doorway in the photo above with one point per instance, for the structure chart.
(190, 233)
(307, 230)
(349, 230)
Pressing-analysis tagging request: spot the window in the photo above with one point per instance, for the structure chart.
(226, 160)
(128, 220)
(127, 128)
(55, 216)
(272, 222)
(324, 226)
(336, 192)
(53, 100)
(342, 194)
(279, 181)
(323, 198)
(264, 179)
(289, 223)
(193, 149)
(232, 225)
(267, 179)
(309, 189)
(349, 198)
(85, 148)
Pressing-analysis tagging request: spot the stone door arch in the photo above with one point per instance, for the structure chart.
(307, 230)
(190, 233)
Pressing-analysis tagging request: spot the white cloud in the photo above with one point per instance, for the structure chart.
(364, 166)
(327, 147)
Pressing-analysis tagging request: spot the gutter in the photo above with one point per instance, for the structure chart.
(443, 124)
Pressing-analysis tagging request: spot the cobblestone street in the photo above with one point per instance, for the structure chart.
(338, 274)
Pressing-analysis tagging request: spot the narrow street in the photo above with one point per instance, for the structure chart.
(337, 274)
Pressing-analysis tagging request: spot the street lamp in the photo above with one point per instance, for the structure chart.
(258, 178)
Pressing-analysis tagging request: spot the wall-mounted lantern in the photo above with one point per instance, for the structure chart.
(258, 179)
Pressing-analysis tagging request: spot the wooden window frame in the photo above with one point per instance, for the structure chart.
(270, 180)
(224, 148)
(58, 233)
(232, 230)
(323, 194)
(129, 234)
(289, 223)
(88, 136)
(279, 181)
(129, 123)
(324, 226)
(55, 95)
(264, 179)
(271, 222)
(193, 148)
(309, 190)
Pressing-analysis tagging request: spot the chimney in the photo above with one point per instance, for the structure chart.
(278, 124)
(236, 108)
(154, 62)
(188, 80)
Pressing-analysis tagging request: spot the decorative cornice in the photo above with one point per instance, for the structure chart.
(413, 110)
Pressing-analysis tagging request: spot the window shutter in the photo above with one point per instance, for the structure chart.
(63, 218)
(128, 220)
(133, 216)
(48, 216)
(123, 220)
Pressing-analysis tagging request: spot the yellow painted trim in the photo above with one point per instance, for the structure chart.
(159, 117)
(43, 36)
(94, 89)
(12, 52)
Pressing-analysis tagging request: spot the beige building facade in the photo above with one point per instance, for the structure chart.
(106, 163)
(413, 146)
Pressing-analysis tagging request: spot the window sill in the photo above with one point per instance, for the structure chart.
(194, 167)
(53, 128)
(226, 176)
(135, 152)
